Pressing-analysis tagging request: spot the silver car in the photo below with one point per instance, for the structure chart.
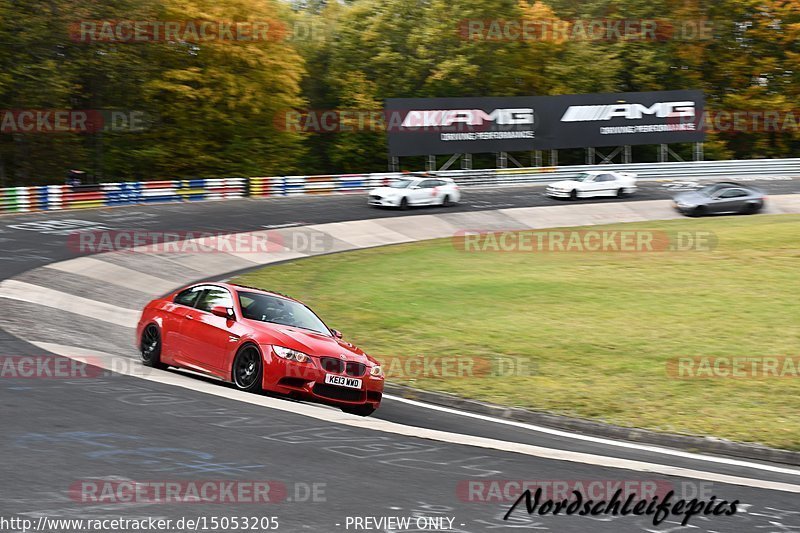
(723, 197)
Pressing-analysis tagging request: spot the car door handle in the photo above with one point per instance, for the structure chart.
(189, 317)
(233, 338)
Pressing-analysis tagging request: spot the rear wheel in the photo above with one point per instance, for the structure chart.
(359, 410)
(620, 193)
(150, 347)
(750, 209)
(247, 369)
(446, 200)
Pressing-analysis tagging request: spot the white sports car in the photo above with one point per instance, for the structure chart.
(416, 190)
(595, 183)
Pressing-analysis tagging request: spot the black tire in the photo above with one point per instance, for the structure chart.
(247, 369)
(150, 347)
(621, 193)
(359, 410)
(750, 209)
(404, 203)
(698, 211)
(446, 201)
(573, 195)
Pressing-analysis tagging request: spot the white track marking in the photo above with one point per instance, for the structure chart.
(600, 440)
(114, 274)
(131, 368)
(27, 292)
(361, 233)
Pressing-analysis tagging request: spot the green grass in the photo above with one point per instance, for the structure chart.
(596, 328)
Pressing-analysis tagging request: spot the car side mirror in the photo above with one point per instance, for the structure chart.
(336, 333)
(224, 312)
(414, 187)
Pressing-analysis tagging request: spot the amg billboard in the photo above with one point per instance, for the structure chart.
(420, 126)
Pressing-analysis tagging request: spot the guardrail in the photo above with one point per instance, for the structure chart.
(55, 197)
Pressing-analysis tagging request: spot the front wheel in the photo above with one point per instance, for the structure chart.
(247, 369)
(150, 347)
(404, 203)
(446, 201)
(359, 410)
(698, 211)
(620, 193)
(573, 195)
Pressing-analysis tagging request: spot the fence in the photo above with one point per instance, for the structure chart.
(55, 197)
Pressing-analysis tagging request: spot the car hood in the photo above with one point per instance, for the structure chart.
(691, 197)
(307, 341)
(385, 191)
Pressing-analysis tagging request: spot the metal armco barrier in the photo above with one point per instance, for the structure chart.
(54, 197)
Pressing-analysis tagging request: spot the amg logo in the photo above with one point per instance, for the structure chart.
(471, 117)
(588, 113)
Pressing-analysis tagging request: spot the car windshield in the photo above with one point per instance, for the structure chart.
(400, 184)
(276, 310)
(582, 176)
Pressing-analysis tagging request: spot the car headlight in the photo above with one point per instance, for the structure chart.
(376, 371)
(290, 355)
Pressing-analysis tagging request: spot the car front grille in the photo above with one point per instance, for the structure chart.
(355, 369)
(338, 366)
(338, 393)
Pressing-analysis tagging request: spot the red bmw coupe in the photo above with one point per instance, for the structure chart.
(258, 340)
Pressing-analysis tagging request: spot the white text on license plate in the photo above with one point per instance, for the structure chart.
(342, 381)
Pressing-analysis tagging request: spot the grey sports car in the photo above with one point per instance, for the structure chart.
(723, 197)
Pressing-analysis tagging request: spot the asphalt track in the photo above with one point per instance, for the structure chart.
(57, 432)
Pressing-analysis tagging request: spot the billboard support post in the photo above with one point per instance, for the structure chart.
(698, 151)
(430, 163)
(665, 152)
(590, 155)
(626, 154)
(450, 161)
(394, 164)
(536, 160)
(553, 158)
(514, 161)
(502, 160)
(466, 162)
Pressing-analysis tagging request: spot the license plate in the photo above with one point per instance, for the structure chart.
(342, 381)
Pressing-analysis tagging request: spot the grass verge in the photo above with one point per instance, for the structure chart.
(596, 329)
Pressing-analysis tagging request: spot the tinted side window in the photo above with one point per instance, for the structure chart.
(214, 296)
(733, 193)
(427, 184)
(188, 296)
